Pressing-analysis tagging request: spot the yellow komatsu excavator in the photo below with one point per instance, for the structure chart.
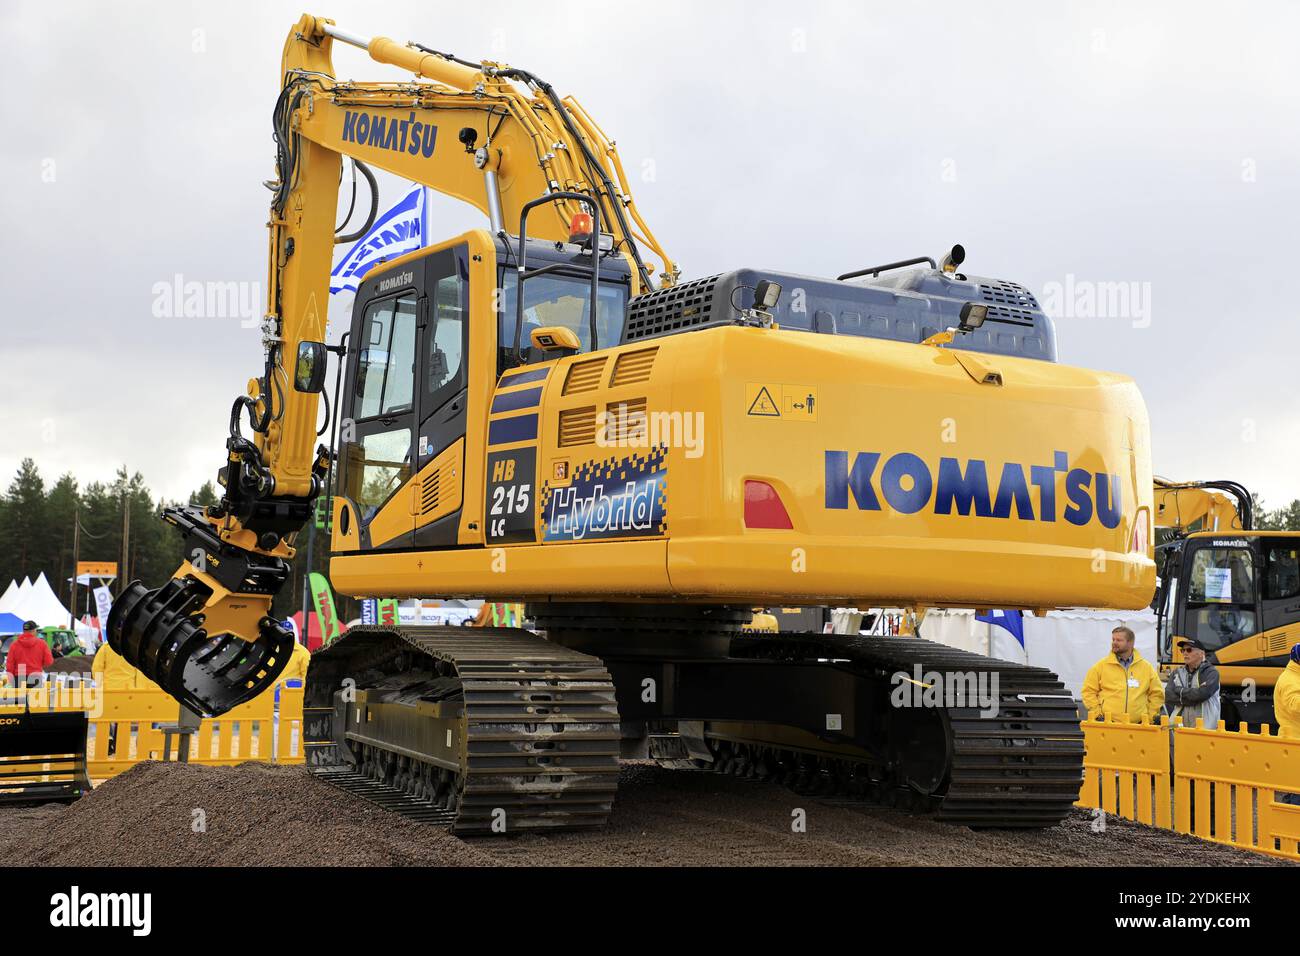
(1234, 589)
(542, 411)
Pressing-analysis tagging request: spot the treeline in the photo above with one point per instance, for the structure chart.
(1280, 519)
(37, 523)
(37, 533)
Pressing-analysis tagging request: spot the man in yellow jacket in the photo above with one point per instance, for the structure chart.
(111, 671)
(1123, 683)
(1286, 697)
(299, 659)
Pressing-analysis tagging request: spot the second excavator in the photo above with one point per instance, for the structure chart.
(544, 411)
(1229, 585)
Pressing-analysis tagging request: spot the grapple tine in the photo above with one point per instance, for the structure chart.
(160, 632)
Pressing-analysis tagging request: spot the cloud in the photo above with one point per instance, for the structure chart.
(1108, 142)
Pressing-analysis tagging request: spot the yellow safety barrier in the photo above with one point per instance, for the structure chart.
(1207, 783)
(125, 725)
(1226, 789)
(1126, 771)
(129, 730)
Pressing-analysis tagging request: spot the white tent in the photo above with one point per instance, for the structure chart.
(10, 599)
(1067, 643)
(42, 605)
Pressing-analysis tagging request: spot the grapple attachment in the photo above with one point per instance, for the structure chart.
(210, 671)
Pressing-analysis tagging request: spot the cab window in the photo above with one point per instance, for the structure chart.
(447, 344)
(1221, 596)
(377, 466)
(386, 361)
(563, 301)
(1281, 571)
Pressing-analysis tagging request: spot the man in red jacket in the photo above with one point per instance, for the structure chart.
(28, 656)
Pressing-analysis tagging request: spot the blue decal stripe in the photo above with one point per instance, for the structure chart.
(504, 431)
(524, 377)
(514, 401)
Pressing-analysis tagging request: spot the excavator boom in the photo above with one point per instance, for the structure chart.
(493, 136)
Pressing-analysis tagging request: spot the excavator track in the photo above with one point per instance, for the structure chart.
(1020, 768)
(482, 730)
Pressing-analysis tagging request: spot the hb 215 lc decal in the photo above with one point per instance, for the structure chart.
(613, 498)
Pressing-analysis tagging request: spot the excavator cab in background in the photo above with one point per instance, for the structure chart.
(1234, 589)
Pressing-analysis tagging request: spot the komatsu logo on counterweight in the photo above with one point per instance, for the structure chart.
(908, 485)
(401, 135)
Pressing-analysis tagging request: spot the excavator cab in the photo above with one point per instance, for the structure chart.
(424, 341)
(1239, 595)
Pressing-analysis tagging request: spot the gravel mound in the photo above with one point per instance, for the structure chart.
(265, 815)
(171, 814)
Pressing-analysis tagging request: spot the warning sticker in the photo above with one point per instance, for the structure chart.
(761, 400)
(788, 402)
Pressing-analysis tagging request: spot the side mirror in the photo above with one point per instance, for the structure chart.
(309, 370)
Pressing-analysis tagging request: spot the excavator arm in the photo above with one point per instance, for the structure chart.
(1189, 506)
(494, 136)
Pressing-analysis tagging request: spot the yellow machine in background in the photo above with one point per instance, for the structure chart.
(524, 415)
(1234, 589)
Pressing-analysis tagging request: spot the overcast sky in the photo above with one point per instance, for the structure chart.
(1068, 147)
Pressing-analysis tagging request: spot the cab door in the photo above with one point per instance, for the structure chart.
(442, 399)
(377, 440)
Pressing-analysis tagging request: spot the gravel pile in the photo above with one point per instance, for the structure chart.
(262, 815)
(173, 814)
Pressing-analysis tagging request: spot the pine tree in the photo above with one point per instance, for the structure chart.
(25, 535)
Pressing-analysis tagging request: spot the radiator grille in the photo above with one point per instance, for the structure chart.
(684, 306)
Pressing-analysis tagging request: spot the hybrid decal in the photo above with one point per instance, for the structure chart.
(908, 485)
(388, 132)
(614, 498)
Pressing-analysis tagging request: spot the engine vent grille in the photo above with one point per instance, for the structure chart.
(633, 367)
(1008, 293)
(684, 306)
(1021, 317)
(625, 422)
(578, 426)
(584, 376)
(430, 493)
(433, 483)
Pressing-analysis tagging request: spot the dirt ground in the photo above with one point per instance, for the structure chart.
(261, 815)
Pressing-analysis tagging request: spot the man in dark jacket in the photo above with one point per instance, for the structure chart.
(28, 656)
(1193, 689)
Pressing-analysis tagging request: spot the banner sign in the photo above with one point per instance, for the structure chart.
(323, 598)
(103, 604)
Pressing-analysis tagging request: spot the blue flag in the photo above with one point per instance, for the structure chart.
(1012, 621)
(402, 229)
